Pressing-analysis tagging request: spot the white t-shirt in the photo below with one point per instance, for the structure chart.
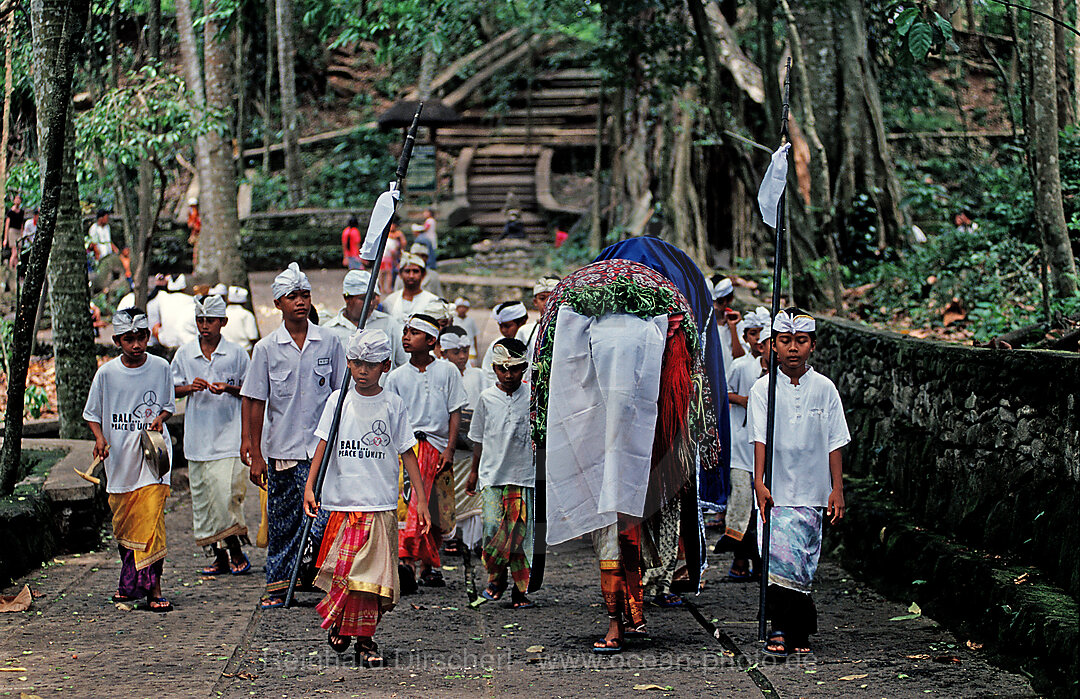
(430, 396)
(745, 371)
(211, 422)
(468, 325)
(241, 328)
(726, 345)
(101, 237)
(362, 472)
(153, 313)
(177, 311)
(397, 307)
(810, 424)
(125, 401)
(501, 423)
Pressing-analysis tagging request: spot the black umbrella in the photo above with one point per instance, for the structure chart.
(435, 115)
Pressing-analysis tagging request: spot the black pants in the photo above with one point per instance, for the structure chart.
(793, 613)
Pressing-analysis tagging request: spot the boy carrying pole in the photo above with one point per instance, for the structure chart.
(129, 394)
(358, 559)
(807, 478)
(210, 371)
(503, 465)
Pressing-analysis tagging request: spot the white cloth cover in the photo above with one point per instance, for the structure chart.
(772, 185)
(210, 307)
(605, 381)
(124, 323)
(787, 323)
(356, 283)
(381, 214)
(290, 280)
(369, 345)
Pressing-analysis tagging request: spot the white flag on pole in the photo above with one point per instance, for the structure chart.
(381, 214)
(768, 196)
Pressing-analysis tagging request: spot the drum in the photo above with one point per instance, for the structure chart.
(155, 452)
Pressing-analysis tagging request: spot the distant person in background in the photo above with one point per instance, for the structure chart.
(350, 244)
(431, 281)
(463, 321)
(964, 222)
(177, 314)
(388, 266)
(412, 297)
(194, 224)
(426, 233)
(153, 307)
(29, 231)
(242, 328)
(541, 293)
(101, 236)
(13, 226)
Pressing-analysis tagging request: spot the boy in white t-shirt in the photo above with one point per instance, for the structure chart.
(128, 395)
(358, 558)
(807, 478)
(542, 290)
(463, 321)
(210, 371)
(434, 395)
(455, 343)
(740, 530)
(511, 317)
(503, 466)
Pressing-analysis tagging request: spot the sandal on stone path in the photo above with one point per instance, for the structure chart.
(667, 600)
(635, 632)
(123, 599)
(367, 654)
(520, 601)
(271, 602)
(607, 647)
(242, 568)
(158, 604)
(492, 593)
(776, 640)
(220, 567)
(337, 642)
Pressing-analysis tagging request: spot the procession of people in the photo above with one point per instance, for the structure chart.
(600, 418)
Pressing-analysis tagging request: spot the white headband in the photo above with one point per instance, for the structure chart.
(407, 258)
(545, 285)
(177, 283)
(292, 279)
(766, 334)
(419, 249)
(500, 356)
(786, 323)
(422, 325)
(218, 290)
(122, 323)
(368, 345)
(356, 283)
(722, 288)
(459, 301)
(238, 294)
(452, 340)
(210, 307)
(508, 312)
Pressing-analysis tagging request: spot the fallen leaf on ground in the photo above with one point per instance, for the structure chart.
(534, 649)
(946, 659)
(124, 607)
(920, 656)
(973, 645)
(1016, 581)
(848, 678)
(12, 669)
(914, 612)
(17, 603)
(953, 312)
(643, 687)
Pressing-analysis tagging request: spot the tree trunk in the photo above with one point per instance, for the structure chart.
(268, 86)
(427, 70)
(5, 130)
(1066, 115)
(286, 54)
(57, 27)
(1043, 124)
(596, 229)
(219, 242)
(149, 206)
(1076, 64)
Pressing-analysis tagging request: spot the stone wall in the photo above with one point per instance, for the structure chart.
(980, 445)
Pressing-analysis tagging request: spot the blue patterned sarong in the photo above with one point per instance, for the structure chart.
(794, 546)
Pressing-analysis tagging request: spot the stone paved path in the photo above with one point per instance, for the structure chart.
(74, 642)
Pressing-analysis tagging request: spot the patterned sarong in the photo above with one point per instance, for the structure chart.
(618, 547)
(285, 518)
(740, 504)
(410, 543)
(139, 522)
(468, 508)
(794, 546)
(509, 520)
(358, 569)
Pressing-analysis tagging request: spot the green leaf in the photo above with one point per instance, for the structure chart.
(945, 26)
(905, 19)
(920, 39)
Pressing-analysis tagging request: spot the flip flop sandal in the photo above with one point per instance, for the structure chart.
(368, 655)
(636, 633)
(772, 642)
(121, 599)
(214, 570)
(163, 605)
(271, 602)
(734, 576)
(606, 647)
(433, 578)
(492, 594)
(337, 642)
(667, 600)
(243, 569)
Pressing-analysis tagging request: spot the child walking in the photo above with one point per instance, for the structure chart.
(210, 371)
(455, 343)
(358, 559)
(433, 395)
(129, 394)
(807, 478)
(503, 465)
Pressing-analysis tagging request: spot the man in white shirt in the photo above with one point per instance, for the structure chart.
(101, 236)
(727, 319)
(353, 290)
(293, 371)
(177, 310)
(242, 328)
(431, 281)
(412, 298)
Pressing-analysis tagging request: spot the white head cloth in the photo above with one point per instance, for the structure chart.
(757, 318)
(292, 279)
(786, 323)
(423, 325)
(368, 345)
(452, 339)
(722, 288)
(545, 285)
(381, 214)
(766, 334)
(122, 323)
(356, 283)
(176, 283)
(506, 312)
(407, 258)
(419, 249)
(500, 356)
(210, 307)
(238, 294)
(439, 310)
(218, 290)
(461, 301)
